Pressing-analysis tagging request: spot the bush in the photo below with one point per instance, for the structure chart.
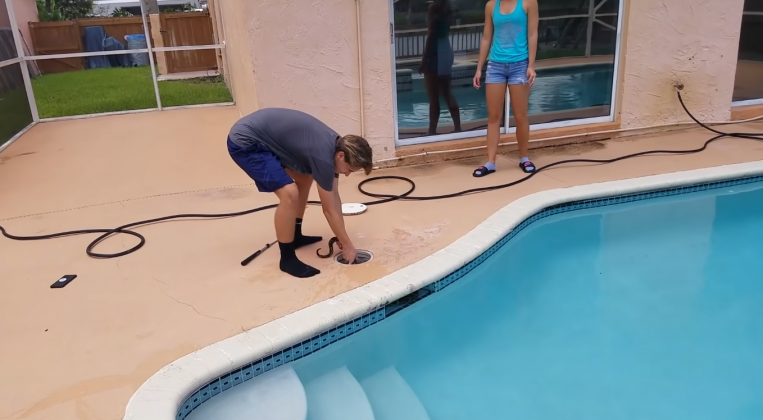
(55, 10)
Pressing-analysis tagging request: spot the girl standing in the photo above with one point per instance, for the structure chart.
(437, 63)
(511, 39)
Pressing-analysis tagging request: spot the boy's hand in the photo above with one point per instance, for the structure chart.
(349, 253)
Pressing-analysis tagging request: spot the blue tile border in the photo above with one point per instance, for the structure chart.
(276, 359)
(335, 334)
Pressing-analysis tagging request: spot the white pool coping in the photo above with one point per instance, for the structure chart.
(160, 397)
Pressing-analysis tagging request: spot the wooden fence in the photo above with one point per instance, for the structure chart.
(178, 29)
(187, 29)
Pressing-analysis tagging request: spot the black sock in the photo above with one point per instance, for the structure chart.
(301, 240)
(290, 264)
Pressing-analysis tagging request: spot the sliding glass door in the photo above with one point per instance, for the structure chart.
(435, 99)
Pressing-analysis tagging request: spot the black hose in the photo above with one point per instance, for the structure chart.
(382, 198)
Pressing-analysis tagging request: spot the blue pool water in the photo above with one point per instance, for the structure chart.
(554, 90)
(649, 310)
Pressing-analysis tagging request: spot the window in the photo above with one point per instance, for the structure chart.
(748, 85)
(435, 101)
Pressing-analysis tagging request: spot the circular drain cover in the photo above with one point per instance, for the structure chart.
(362, 256)
(349, 209)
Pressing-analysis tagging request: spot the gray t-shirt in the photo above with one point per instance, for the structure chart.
(300, 141)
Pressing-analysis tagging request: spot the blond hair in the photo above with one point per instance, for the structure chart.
(357, 152)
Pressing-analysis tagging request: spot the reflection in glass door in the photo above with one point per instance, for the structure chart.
(436, 48)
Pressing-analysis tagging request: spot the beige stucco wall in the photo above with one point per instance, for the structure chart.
(5, 21)
(239, 70)
(377, 70)
(305, 56)
(685, 41)
(26, 11)
(309, 61)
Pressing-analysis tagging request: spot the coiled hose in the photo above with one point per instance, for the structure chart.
(381, 198)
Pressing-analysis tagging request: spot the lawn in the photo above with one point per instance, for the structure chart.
(14, 113)
(119, 89)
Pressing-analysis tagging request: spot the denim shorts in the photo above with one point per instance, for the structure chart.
(507, 73)
(261, 165)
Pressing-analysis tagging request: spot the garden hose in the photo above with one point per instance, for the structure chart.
(381, 198)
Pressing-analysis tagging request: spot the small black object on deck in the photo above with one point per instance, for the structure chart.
(63, 281)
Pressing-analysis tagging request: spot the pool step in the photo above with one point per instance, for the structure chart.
(392, 398)
(337, 395)
(277, 394)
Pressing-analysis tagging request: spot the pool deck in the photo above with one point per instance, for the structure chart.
(126, 318)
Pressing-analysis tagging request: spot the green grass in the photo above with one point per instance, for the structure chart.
(119, 89)
(14, 113)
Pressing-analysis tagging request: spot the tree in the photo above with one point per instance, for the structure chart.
(51, 10)
(120, 12)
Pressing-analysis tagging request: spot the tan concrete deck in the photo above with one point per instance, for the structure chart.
(80, 352)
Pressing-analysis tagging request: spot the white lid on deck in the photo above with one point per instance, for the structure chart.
(349, 209)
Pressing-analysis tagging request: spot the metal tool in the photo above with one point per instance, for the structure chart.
(257, 254)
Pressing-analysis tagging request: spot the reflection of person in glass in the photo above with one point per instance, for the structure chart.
(436, 64)
(511, 37)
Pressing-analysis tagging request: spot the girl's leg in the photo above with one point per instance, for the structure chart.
(496, 79)
(520, 97)
(447, 94)
(430, 82)
(496, 97)
(519, 91)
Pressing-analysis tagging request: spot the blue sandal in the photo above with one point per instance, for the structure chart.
(527, 167)
(482, 171)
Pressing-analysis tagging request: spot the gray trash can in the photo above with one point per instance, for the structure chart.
(137, 42)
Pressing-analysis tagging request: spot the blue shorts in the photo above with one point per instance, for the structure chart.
(507, 73)
(261, 165)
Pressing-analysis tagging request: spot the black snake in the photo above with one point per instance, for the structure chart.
(332, 241)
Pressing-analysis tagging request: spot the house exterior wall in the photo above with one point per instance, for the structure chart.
(304, 55)
(680, 41)
(5, 20)
(25, 11)
(239, 71)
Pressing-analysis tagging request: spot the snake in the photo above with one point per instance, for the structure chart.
(332, 241)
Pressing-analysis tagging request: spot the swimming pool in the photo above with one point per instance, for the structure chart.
(639, 300)
(642, 306)
(555, 90)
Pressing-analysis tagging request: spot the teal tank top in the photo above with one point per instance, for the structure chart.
(509, 35)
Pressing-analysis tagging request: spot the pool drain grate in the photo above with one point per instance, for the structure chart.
(361, 257)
